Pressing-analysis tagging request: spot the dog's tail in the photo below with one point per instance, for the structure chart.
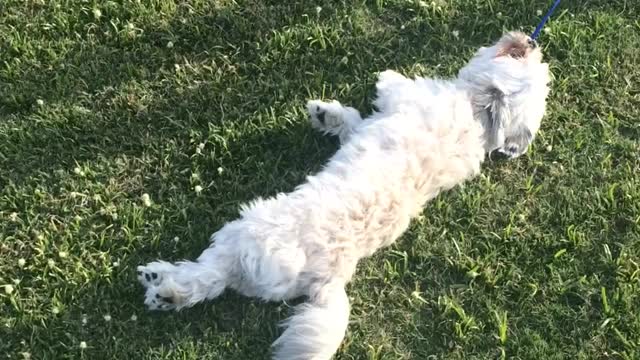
(317, 328)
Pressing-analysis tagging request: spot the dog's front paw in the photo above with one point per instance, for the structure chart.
(510, 151)
(517, 143)
(326, 117)
(389, 77)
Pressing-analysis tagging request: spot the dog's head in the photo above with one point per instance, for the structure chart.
(508, 86)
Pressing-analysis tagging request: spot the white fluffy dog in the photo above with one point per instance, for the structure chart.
(427, 136)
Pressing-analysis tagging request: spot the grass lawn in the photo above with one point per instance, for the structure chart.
(102, 102)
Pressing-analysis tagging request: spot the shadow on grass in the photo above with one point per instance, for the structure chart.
(118, 96)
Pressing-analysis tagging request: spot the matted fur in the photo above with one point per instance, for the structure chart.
(426, 136)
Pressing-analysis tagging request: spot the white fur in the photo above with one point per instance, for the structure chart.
(427, 136)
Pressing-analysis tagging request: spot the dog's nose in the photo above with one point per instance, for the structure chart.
(532, 43)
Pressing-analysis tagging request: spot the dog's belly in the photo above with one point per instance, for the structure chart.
(379, 223)
(362, 201)
(378, 190)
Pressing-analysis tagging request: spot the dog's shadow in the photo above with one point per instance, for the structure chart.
(277, 159)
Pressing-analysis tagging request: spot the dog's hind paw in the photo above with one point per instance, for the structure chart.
(156, 278)
(152, 274)
(159, 298)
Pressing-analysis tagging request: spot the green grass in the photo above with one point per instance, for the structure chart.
(104, 101)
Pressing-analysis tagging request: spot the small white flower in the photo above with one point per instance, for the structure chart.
(51, 263)
(549, 148)
(16, 281)
(115, 264)
(26, 355)
(402, 27)
(84, 319)
(55, 310)
(83, 345)
(63, 254)
(195, 176)
(77, 218)
(177, 67)
(318, 9)
(547, 30)
(176, 239)
(77, 170)
(13, 216)
(97, 13)
(539, 12)
(522, 217)
(146, 200)
(8, 289)
(21, 262)
(455, 33)
(220, 170)
(134, 318)
(40, 102)
(198, 189)
(169, 44)
(107, 318)
(130, 26)
(499, 14)
(201, 146)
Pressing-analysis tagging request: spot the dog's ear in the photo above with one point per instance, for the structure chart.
(498, 112)
(510, 136)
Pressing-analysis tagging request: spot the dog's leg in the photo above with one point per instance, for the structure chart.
(183, 284)
(387, 86)
(333, 118)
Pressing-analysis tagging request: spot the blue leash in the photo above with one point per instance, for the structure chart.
(546, 17)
